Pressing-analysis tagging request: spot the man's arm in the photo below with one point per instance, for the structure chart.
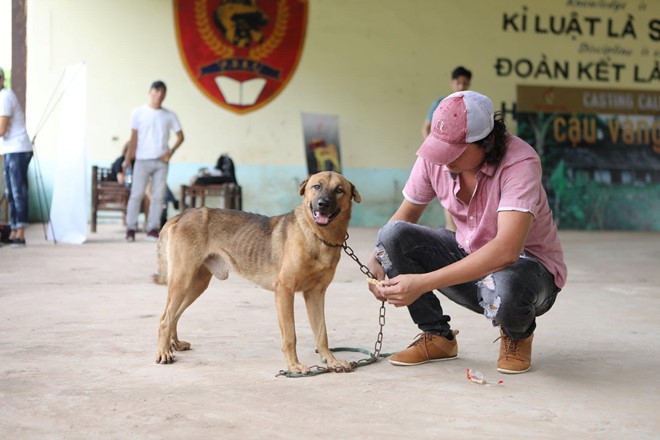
(407, 212)
(426, 127)
(502, 251)
(179, 140)
(130, 152)
(4, 125)
(170, 152)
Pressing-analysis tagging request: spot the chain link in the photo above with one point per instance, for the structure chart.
(375, 356)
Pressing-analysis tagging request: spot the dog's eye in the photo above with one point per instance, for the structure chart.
(339, 190)
(316, 187)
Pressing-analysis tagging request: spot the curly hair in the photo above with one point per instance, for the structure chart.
(495, 143)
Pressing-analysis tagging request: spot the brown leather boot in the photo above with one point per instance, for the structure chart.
(515, 356)
(427, 348)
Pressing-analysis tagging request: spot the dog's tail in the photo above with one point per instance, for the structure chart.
(163, 237)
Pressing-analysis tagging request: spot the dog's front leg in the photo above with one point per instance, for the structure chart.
(284, 301)
(315, 303)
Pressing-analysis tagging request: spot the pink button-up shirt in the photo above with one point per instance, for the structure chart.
(514, 184)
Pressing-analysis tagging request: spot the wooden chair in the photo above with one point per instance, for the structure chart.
(107, 195)
(230, 193)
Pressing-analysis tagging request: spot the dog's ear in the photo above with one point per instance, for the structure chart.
(302, 186)
(356, 194)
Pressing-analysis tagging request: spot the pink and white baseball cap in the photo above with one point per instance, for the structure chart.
(460, 119)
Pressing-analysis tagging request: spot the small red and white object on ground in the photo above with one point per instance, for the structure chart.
(477, 377)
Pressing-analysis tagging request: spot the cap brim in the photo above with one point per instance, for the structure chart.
(438, 152)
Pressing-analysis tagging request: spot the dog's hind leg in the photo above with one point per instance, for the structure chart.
(183, 290)
(197, 287)
(166, 328)
(315, 304)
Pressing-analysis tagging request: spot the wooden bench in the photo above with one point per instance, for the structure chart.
(107, 195)
(229, 193)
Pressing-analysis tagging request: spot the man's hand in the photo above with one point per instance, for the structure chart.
(167, 156)
(402, 290)
(4, 125)
(377, 270)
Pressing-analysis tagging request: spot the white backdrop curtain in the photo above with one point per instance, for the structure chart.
(68, 213)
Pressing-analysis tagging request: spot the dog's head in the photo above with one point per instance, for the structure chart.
(328, 195)
(241, 22)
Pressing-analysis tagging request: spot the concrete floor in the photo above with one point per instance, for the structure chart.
(78, 331)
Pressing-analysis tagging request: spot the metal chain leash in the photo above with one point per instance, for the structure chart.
(381, 316)
(373, 357)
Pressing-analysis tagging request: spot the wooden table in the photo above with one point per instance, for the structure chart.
(230, 193)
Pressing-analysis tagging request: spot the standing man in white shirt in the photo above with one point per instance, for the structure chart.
(16, 148)
(149, 146)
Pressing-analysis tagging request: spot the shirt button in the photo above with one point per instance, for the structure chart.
(471, 217)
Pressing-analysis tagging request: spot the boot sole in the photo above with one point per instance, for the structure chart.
(408, 364)
(502, 370)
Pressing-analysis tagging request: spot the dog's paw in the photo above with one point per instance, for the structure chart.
(298, 368)
(164, 357)
(339, 365)
(180, 345)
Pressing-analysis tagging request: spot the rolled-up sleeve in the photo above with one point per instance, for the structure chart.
(418, 188)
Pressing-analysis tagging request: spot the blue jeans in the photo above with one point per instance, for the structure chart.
(16, 181)
(511, 298)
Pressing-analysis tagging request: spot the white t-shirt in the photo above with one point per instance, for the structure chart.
(153, 130)
(16, 139)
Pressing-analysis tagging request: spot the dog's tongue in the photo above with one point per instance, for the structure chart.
(322, 219)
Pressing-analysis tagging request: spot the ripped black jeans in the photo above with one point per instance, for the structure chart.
(511, 298)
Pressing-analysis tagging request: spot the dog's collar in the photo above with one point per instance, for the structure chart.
(327, 243)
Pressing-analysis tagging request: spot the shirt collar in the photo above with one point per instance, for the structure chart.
(488, 169)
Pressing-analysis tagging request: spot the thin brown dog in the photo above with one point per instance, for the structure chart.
(294, 252)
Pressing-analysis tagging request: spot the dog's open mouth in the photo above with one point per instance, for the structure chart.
(322, 219)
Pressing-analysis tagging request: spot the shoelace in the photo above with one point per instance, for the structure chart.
(422, 338)
(510, 346)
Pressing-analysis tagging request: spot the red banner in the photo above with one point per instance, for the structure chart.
(241, 53)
